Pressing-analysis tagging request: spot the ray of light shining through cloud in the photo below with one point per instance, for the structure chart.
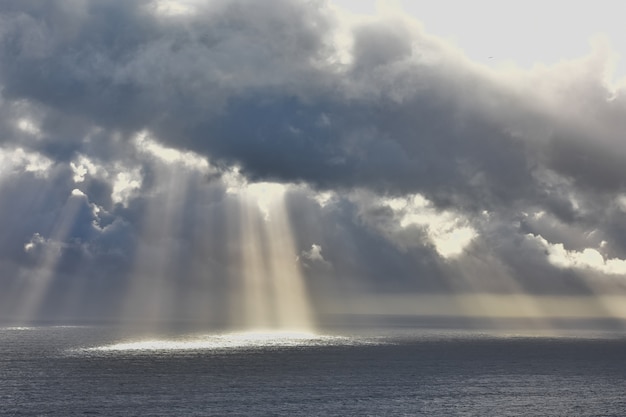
(293, 165)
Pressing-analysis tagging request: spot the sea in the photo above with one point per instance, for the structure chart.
(99, 370)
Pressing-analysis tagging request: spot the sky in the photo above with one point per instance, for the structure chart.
(286, 161)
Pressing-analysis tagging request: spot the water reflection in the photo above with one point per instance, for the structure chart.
(251, 339)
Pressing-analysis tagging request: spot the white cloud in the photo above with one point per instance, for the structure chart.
(35, 241)
(83, 166)
(125, 185)
(449, 232)
(588, 258)
(40, 246)
(314, 255)
(125, 179)
(18, 159)
(144, 143)
(171, 8)
(264, 193)
(324, 197)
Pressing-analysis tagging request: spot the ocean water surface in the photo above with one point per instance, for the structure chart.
(97, 370)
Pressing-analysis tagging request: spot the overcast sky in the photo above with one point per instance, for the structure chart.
(399, 158)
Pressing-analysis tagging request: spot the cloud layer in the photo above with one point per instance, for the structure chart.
(129, 132)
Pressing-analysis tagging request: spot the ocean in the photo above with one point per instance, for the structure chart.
(98, 370)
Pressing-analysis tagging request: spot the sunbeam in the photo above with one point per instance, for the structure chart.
(51, 249)
(151, 294)
(273, 292)
(292, 306)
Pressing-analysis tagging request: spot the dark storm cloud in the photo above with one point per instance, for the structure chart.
(259, 85)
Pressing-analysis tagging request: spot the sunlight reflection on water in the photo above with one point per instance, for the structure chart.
(250, 339)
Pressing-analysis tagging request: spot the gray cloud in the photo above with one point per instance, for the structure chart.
(287, 91)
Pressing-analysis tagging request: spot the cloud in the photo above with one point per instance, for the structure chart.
(314, 257)
(17, 160)
(408, 113)
(588, 258)
(409, 164)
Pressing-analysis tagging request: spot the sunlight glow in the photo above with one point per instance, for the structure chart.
(502, 35)
(274, 292)
(485, 305)
(247, 340)
(265, 194)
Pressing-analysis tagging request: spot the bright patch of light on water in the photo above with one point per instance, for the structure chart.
(31, 328)
(19, 328)
(237, 340)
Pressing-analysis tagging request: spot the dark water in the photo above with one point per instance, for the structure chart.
(56, 371)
